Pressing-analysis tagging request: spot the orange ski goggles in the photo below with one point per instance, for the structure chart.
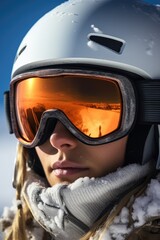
(96, 107)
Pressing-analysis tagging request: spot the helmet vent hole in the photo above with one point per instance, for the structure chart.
(113, 43)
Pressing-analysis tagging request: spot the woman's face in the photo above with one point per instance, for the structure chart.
(64, 158)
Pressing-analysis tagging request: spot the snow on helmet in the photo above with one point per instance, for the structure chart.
(110, 33)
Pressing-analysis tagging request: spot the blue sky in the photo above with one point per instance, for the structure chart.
(16, 18)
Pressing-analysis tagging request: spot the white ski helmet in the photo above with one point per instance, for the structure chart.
(122, 35)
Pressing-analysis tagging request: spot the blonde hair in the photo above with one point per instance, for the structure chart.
(22, 216)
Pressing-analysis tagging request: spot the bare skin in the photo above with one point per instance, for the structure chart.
(64, 158)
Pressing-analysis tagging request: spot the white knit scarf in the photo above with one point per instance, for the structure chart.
(69, 211)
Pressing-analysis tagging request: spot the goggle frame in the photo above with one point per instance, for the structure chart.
(129, 108)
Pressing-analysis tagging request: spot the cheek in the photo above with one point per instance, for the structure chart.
(44, 159)
(110, 156)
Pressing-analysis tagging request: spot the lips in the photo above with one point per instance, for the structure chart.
(66, 168)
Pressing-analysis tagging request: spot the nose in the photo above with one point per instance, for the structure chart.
(62, 139)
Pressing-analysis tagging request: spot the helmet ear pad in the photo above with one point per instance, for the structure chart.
(138, 150)
(34, 162)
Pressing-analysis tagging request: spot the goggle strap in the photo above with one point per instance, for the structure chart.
(148, 101)
(7, 110)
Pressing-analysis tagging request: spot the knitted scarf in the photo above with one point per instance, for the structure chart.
(69, 211)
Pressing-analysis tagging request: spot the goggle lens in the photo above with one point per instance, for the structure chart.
(92, 103)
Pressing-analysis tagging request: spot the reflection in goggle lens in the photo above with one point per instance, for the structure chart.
(92, 103)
